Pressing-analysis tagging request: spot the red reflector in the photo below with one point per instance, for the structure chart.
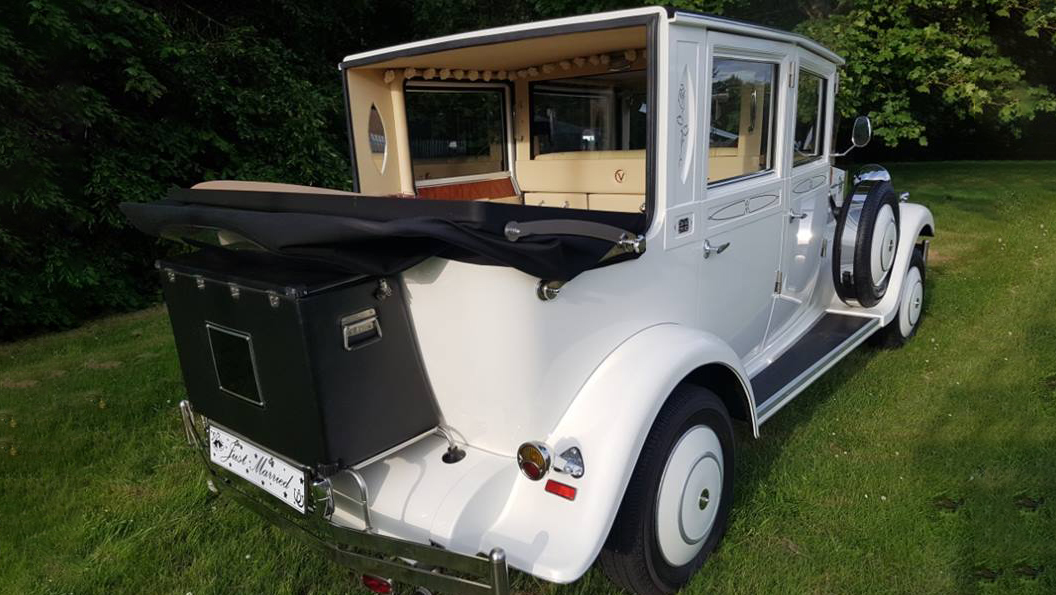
(382, 586)
(565, 491)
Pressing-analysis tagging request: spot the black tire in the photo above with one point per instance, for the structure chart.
(892, 336)
(631, 557)
(856, 224)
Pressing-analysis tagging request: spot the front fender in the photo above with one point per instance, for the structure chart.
(914, 218)
(609, 419)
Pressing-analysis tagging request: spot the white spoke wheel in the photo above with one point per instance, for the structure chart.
(910, 307)
(676, 507)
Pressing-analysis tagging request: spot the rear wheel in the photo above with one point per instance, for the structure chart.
(677, 505)
(910, 307)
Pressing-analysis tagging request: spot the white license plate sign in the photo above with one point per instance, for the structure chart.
(270, 473)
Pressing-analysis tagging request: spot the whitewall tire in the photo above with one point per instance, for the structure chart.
(910, 307)
(676, 507)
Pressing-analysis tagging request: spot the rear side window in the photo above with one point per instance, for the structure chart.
(590, 113)
(742, 118)
(456, 132)
(810, 118)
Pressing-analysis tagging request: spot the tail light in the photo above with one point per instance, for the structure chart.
(376, 584)
(534, 460)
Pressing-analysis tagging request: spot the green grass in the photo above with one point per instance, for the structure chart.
(912, 471)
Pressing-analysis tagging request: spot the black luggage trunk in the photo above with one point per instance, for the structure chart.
(319, 366)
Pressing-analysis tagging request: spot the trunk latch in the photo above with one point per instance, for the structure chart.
(360, 329)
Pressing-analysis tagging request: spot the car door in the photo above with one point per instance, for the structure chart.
(743, 207)
(808, 193)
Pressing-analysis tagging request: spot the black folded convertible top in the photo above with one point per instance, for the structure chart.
(386, 235)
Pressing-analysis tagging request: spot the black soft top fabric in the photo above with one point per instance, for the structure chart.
(382, 235)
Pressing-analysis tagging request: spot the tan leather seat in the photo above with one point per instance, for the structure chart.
(616, 177)
(573, 200)
(623, 203)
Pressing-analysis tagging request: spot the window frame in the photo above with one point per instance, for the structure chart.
(507, 130)
(734, 47)
(823, 112)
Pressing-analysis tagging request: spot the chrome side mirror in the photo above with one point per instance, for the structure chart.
(861, 134)
(862, 131)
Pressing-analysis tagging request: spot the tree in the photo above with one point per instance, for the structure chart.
(920, 65)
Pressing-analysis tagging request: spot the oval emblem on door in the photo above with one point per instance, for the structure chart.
(618, 175)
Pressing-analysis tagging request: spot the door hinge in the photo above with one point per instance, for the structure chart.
(777, 282)
(792, 78)
(824, 246)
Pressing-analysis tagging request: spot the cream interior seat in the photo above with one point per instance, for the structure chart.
(622, 203)
(568, 200)
(595, 180)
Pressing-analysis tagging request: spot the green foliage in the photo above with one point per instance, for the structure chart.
(921, 471)
(105, 101)
(914, 64)
(109, 101)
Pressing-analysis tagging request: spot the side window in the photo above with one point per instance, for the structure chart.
(810, 118)
(592, 113)
(742, 118)
(456, 132)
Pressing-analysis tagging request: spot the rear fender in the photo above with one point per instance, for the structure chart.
(608, 421)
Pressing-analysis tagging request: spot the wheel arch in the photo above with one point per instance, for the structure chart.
(608, 421)
(731, 389)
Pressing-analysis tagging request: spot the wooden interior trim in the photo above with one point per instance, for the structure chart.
(469, 190)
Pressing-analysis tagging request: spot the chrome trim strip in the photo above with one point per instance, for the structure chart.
(389, 451)
(805, 378)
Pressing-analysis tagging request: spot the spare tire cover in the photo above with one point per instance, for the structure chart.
(866, 243)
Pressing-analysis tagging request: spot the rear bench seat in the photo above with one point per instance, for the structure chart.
(595, 180)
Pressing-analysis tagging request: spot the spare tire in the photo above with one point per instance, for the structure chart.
(866, 242)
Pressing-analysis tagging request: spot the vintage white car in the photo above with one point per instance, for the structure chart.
(577, 251)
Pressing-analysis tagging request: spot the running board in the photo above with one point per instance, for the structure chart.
(826, 343)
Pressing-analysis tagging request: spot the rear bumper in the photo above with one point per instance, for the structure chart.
(366, 552)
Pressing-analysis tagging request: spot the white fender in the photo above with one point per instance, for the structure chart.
(609, 419)
(913, 219)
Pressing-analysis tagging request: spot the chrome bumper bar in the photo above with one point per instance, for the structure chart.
(402, 561)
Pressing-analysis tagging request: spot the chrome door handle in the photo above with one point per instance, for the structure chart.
(792, 216)
(708, 248)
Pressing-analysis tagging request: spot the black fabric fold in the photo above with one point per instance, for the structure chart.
(374, 246)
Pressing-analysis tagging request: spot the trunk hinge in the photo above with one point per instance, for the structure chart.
(777, 282)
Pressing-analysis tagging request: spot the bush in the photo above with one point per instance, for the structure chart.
(110, 101)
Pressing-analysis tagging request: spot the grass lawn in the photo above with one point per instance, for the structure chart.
(930, 469)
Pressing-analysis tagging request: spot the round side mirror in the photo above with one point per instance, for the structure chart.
(862, 132)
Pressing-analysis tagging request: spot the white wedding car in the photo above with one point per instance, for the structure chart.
(578, 250)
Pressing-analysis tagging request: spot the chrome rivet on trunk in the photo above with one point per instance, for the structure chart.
(273, 299)
(235, 291)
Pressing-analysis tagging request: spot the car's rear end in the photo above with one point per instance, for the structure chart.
(325, 394)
